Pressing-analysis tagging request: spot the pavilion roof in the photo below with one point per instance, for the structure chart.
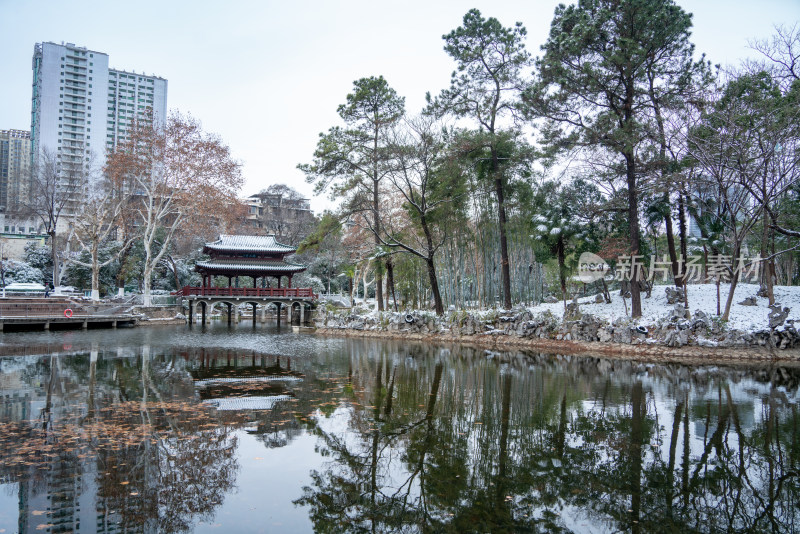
(248, 243)
(254, 266)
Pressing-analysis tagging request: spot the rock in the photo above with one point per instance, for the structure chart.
(674, 294)
(749, 301)
(777, 316)
(678, 312)
(550, 299)
(599, 299)
(573, 310)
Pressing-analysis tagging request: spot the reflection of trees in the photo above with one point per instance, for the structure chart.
(121, 429)
(457, 443)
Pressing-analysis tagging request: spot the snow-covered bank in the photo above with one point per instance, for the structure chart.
(702, 297)
(661, 323)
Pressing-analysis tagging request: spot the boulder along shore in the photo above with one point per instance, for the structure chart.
(688, 342)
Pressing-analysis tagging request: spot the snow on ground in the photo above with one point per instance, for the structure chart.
(701, 297)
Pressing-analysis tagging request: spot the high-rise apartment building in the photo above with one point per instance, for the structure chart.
(81, 109)
(15, 168)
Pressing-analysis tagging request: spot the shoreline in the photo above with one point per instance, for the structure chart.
(643, 352)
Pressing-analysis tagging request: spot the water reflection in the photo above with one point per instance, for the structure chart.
(103, 443)
(445, 442)
(408, 438)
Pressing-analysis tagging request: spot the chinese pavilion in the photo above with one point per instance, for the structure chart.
(261, 258)
(258, 257)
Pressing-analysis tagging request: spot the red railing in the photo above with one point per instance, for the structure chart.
(285, 292)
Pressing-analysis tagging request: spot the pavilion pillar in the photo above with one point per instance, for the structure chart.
(236, 282)
(290, 281)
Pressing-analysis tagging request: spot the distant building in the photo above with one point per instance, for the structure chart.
(81, 108)
(15, 168)
(282, 212)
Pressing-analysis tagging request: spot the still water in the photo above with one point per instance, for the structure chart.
(170, 429)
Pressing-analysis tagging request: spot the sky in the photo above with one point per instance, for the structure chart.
(268, 76)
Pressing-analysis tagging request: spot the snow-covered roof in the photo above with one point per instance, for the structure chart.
(250, 266)
(248, 243)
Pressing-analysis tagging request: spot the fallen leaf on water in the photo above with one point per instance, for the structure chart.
(258, 458)
(44, 526)
(38, 512)
(124, 483)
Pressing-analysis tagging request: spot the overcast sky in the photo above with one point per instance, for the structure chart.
(268, 76)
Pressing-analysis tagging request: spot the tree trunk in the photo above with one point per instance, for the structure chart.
(633, 228)
(147, 298)
(501, 214)
(562, 271)
(177, 279)
(377, 222)
(437, 298)
(121, 274)
(684, 245)
(734, 282)
(54, 255)
(766, 275)
(677, 276)
(390, 281)
(95, 273)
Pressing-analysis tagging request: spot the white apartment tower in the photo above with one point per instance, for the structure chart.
(81, 109)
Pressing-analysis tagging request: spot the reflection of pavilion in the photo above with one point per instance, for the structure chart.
(259, 385)
(244, 382)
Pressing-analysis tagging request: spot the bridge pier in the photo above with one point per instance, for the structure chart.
(254, 308)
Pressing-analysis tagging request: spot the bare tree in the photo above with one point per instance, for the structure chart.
(180, 177)
(426, 189)
(53, 194)
(96, 223)
(782, 51)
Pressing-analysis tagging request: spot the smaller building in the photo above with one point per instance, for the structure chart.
(261, 258)
(15, 169)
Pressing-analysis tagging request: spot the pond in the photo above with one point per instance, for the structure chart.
(172, 429)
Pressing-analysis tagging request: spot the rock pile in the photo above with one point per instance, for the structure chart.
(676, 329)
